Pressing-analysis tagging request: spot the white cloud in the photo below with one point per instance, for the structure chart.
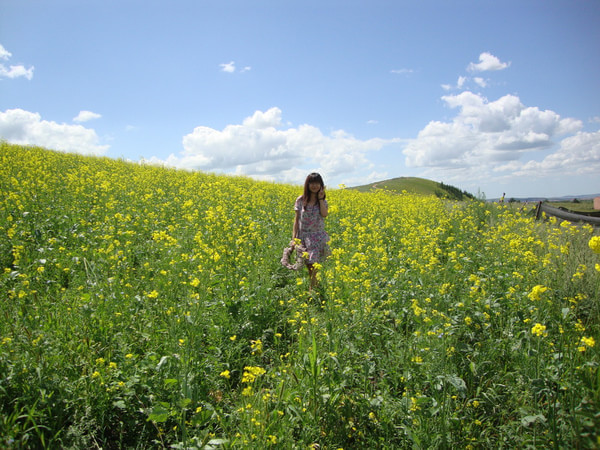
(4, 54)
(402, 71)
(487, 62)
(228, 67)
(260, 147)
(480, 82)
(85, 116)
(14, 71)
(577, 155)
(231, 68)
(26, 128)
(462, 81)
(485, 133)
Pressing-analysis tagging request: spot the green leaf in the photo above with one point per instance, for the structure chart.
(184, 402)
(457, 382)
(529, 420)
(159, 414)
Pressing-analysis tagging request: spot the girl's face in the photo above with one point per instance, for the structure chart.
(314, 186)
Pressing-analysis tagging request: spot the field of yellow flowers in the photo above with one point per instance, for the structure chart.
(147, 307)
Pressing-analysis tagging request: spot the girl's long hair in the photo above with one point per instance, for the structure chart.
(311, 178)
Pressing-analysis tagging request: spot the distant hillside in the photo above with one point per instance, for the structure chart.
(564, 198)
(416, 185)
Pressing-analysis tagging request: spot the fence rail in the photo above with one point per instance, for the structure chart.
(565, 215)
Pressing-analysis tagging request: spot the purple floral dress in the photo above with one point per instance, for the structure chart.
(312, 231)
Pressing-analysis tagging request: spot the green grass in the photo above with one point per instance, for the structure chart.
(415, 185)
(147, 307)
(586, 206)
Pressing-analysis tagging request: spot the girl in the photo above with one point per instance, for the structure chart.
(309, 225)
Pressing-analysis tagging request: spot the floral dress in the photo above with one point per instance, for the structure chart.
(312, 231)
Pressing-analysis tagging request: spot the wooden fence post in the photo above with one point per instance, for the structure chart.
(538, 211)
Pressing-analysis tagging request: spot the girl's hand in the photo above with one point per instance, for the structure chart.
(321, 194)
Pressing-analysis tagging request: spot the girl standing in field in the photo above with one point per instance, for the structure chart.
(309, 224)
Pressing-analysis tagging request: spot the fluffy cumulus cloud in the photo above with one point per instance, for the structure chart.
(26, 128)
(85, 116)
(4, 54)
(577, 155)
(13, 71)
(503, 141)
(228, 67)
(487, 136)
(262, 147)
(487, 62)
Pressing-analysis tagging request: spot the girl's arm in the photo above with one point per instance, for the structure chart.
(322, 204)
(323, 207)
(295, 231)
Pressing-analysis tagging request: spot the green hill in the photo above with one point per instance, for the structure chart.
(415, 185)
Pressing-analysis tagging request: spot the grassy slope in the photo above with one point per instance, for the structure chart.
(413, 185)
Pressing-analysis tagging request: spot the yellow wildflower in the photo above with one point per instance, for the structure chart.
(536, 292)
(251, 373)
(247, 391)
(539, 330)
(256, 346)
(594, 244)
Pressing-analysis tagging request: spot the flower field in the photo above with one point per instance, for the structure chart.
(147, 307)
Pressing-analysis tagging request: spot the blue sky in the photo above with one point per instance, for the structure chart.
(486, 95)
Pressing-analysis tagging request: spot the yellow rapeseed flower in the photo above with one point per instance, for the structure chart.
(539, 330)
(536, 292)
(595, 244)
(251, 373)
(588, 341)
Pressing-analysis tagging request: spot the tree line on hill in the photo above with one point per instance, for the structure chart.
(448, 191)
